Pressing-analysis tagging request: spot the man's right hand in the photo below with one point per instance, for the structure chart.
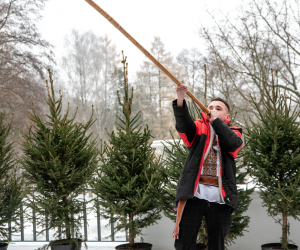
(181, 90)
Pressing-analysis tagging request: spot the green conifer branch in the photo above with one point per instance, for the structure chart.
(128, 176)
(12, 185)
(60, 157)
(272, 145)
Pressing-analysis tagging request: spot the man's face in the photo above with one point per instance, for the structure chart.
(221, 110)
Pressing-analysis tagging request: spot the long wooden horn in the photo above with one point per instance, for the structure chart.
(147, 54)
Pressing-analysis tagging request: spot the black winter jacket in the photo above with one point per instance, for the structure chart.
(198, 138)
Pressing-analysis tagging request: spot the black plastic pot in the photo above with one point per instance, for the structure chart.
(59, 246)
(277, 246)
(137, 246)
(3, 246)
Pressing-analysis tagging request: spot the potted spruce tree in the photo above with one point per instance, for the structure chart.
(128, 177)
(59, 158)
(12, 187)
(273, 156)
(175, 154)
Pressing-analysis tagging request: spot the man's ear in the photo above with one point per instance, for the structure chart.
(228, 117)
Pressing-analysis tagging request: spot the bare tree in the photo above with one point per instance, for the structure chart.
(261, 39)
(220, 84)
(24, 57)
(82, 72)
(145, 94)
(157, 90)
(192, 63)
(90, 62)
(19, 35)
(109, 73)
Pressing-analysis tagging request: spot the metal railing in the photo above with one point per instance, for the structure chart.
(47, 236)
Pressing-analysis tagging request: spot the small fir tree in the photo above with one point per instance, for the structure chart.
(59, 159)
(128, 177)
(12, 186)
(273, 156)
(175, 153)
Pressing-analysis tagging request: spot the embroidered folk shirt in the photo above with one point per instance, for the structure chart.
(208, 187)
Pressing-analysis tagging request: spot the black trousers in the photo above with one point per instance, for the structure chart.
(218, 221)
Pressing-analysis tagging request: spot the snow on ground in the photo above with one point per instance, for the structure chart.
(91, 245)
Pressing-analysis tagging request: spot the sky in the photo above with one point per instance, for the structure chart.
(176, 22)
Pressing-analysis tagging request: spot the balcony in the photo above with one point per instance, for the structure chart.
(262, 229)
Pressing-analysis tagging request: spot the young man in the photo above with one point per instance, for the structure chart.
(206, 186)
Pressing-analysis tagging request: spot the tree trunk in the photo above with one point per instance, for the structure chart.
(284, 226)
(81, 89)
(131, 236)
(150, 98)
(160, 100)
(105, 87)
(67, 222)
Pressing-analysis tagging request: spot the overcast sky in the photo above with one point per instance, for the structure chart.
(176, 22)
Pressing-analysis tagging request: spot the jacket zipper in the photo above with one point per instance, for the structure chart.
(203, 155)
(220, 177)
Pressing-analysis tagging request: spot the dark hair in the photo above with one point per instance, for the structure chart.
(221, 100)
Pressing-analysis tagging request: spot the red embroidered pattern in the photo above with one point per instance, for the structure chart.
(209, 175)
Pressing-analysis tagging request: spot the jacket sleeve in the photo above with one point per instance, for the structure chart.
(230, 138)
(185, 126)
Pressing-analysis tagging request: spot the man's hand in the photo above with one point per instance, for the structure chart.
(212, 116)
(181, 90)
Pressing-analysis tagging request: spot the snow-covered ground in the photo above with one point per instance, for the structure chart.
(91, 245)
